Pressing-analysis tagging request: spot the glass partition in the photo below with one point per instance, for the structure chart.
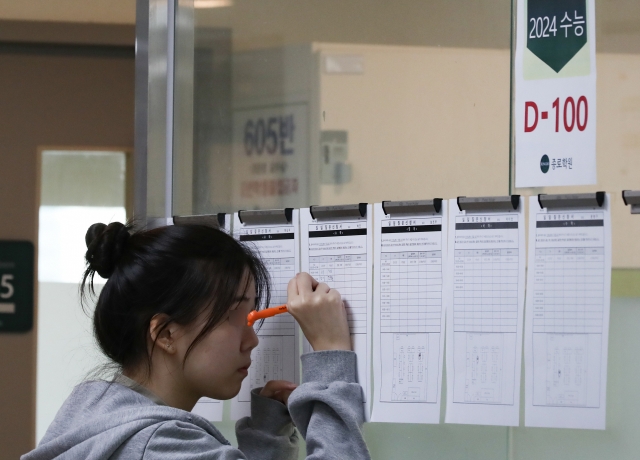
(286, 103)
(297, 103)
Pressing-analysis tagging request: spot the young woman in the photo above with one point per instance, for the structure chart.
(172, 318)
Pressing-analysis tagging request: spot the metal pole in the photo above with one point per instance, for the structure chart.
(141, 112)
(171, 27)
(155, 22)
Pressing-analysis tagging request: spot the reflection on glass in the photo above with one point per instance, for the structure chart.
(299, 103)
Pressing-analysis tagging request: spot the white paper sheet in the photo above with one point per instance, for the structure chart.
(408, 316)
(338, 252)
(484, 298)
(567, 320)
(277, 356)
(212, 409)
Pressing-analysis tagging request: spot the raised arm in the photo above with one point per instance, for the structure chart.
(327, 407)
(269, 433)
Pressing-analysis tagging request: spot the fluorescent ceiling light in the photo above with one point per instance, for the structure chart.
(212, 3)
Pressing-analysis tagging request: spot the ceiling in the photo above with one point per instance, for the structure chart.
(99, 11)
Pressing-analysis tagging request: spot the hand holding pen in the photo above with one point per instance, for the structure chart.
(318, 309)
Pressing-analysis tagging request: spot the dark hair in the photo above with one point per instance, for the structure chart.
(178, 270)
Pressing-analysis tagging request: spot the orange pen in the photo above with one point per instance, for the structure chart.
(267, 313)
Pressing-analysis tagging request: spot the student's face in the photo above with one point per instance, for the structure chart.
(219, 363)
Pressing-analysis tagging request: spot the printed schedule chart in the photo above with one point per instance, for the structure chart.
(281, 270)
(567, 324)
(408, 316)
(348, 275)
(485, 306)
(411, 291)
(338, 252)
(277, 355)
(486, 290)
(568, 290)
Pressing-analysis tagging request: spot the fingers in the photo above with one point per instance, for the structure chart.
(292, 288)
(306, 283)
(335, 296)
(314, 282)
(282, 396)
(274, 387)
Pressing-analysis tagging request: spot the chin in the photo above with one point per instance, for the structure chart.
(230, 392)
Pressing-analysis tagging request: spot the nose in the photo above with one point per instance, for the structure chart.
(250, 339)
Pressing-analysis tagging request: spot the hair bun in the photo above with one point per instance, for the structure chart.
(105, 246)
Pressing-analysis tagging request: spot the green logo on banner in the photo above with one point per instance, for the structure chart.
(544, 164)
(556, 30)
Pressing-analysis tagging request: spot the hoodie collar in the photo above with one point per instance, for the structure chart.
(140, 389)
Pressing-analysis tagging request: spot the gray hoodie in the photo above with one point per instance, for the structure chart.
(105, 420)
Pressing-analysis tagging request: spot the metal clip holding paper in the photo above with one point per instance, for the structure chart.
(412, 207)
(212, 220)
(489, 203)
(266, 216)
(632, 198)
(571, 200)
(339, 212)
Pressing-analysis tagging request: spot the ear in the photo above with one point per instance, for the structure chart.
(162, 333)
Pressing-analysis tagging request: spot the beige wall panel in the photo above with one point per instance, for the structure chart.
(434, 122)
(618, 148)
(453, 23)
(104, 11)
(422, 122)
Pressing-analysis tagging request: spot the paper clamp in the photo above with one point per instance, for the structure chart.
(266, 216)
(571, 200)
(412, 207)
(632, 198)
(339, 211)
(489, 203)
(211, 220)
